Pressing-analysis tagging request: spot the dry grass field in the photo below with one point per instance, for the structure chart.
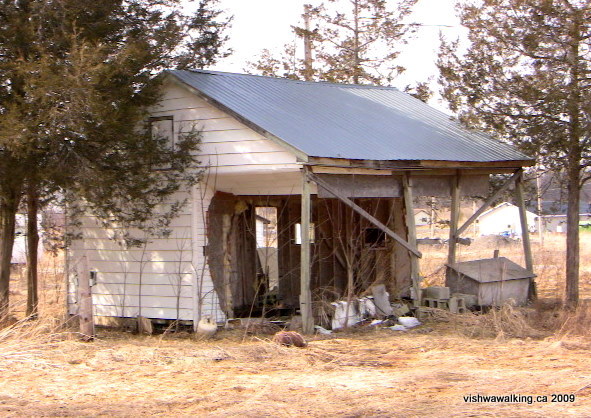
(534, 351)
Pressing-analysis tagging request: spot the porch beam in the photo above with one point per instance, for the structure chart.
(362, 212)
(489, 202)
(412, 237)
(305, 292)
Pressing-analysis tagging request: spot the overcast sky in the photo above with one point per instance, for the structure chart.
(260, 24)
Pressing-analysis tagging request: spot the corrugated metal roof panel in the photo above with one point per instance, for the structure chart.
(492, 270)
(348, 121)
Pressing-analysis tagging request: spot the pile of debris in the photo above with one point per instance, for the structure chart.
(373, 311)
(376, 310)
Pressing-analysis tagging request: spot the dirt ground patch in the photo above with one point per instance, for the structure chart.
(425, 372)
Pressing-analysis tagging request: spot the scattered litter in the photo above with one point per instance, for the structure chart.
(398, 327)
(367, 307)
(345, 314)
(400, 309)
(322, 330)
(409, 321)
(381, 299)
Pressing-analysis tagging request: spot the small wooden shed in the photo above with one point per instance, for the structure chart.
(493, 280)
(337, 167)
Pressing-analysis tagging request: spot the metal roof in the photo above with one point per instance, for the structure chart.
(347, 121)
(492, 270)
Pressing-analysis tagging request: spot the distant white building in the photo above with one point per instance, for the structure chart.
(422, 217)
(557, 223)
(19, 249)
(504, 220)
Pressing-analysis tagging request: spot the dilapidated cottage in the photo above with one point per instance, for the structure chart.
(331, 168)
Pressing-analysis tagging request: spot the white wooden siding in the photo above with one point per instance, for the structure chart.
(162, 272)
(239, 161)
(227, 144)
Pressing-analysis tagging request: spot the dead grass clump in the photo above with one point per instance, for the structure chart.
(510, 321)
(26, 341)
(322, 304)
(261, 327)
(506, 321)
(577, 322)
(271, 354)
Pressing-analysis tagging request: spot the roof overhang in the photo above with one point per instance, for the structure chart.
(424, 166)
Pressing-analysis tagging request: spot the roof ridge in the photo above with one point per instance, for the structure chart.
(289, 80)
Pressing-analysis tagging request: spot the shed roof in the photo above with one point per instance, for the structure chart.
(492, 270)
(347, 121)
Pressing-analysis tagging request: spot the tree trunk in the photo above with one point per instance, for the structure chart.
(8, 208)
(32, 247)
(308, 69)
(572, 234)
(574, 171)
(356, 52)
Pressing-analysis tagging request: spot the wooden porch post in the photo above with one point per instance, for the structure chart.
(305, 292)
(454, 218)
(85, 301)
(412, 237)
(529, 264)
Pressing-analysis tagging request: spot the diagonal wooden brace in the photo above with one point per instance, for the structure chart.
(363, 213)
(488, 203)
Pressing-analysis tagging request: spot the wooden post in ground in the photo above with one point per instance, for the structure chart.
(85, 302)
(529, 264)
(432, 218)
(305, 292)
(454, 218)
(412, 238)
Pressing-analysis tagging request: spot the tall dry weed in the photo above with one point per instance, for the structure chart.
(28, 340)
(577, 322)
(510, 321)
(507, 321)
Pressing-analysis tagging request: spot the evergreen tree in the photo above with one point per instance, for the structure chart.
(357, 43)
(526, 77)
(76, 80)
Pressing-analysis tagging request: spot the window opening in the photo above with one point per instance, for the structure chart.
(163, 127)
(374, 238)
(266, 238)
